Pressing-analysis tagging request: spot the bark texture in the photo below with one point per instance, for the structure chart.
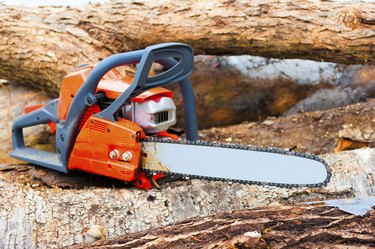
(277, 227)
(40, 45)
(41, 208)
(315, 132)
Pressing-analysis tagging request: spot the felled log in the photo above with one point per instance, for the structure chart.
(40, 45)
(40, 208)
(298, 226)
(33, 214)
(315, 132)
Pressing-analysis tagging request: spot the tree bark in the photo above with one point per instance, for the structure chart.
(302, 226)
(315, 132)
(40, 45)
(40, 208)
(43, 208)
(34, 215)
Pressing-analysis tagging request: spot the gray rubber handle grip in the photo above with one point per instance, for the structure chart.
(178, 55)
(43, 115)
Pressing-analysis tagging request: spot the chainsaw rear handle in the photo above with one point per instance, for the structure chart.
(43, 115)
(178, 58)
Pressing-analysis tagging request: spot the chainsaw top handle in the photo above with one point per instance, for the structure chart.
(165, 54)
(177, 58)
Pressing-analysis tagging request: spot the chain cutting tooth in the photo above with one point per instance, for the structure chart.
(242, 147)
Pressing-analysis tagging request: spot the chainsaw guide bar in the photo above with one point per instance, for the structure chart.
(158, 168)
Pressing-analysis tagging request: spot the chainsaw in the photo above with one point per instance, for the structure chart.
(115, 125)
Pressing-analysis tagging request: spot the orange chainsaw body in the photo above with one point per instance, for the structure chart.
(102, 115)
(99, 137)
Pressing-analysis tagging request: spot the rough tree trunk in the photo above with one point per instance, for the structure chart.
(40, 45)
(316, 132)
(33, 215)
(40, 207)
(277, 227)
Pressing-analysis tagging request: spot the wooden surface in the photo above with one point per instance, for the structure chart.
(300, 226)
(41, 45)
(315, 132)
(40, 208)
(33, 214)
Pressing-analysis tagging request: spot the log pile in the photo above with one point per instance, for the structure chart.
(53, 45)
(43, 208)
(315, 132)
